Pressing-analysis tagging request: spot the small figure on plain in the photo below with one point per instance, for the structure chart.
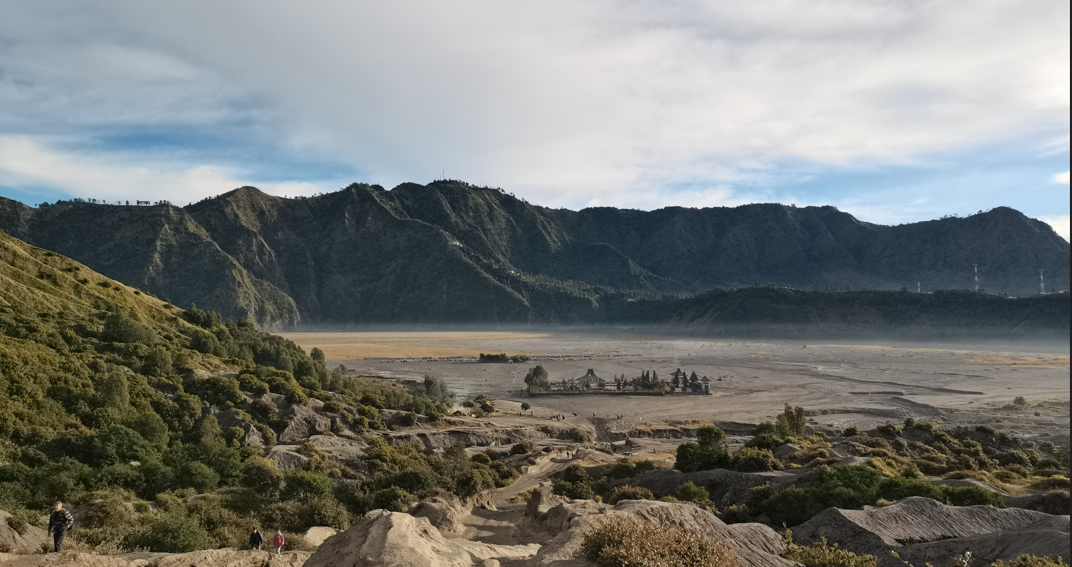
(278, 541)
(59, 523)
(256, 540)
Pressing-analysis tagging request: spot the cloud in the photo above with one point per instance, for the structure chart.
(634, 103)
(26, 163)
(1060, 224)
(1061, 178)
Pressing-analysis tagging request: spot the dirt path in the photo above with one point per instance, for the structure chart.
(500, 526)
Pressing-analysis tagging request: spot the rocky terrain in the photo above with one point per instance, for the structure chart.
(453, 253)
(172, 435)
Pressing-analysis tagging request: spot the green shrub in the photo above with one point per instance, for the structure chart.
(623, 541)
(196, 475)
(305, 485)
(822, 554)
(627, 492)
(851, 431)
(326, 511)
(20, 525)
(393, 499)
(752, 459)
(689, 492)
(262, 475)
(581, 490)
(170, 532)
(1028, 560)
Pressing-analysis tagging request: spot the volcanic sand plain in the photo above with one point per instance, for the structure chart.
(840, 383)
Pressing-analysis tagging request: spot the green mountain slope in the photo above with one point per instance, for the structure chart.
(449, 252)
(110, 398)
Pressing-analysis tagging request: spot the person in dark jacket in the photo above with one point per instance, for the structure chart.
(256, 540)
(59, 523)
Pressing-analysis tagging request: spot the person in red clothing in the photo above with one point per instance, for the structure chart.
(278, 541)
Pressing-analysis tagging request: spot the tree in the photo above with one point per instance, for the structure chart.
(709, 452)
(792, 422)
(317, 355)
(525, 406)
(434, 390)
(536, 379)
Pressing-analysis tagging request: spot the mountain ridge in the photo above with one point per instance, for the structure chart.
(450, 252)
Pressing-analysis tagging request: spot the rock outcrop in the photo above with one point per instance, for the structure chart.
(251, 435)
(443, 513)
(443, 438)
(318, 535)
(287, 458)
(393, 539)
(303, 422)
(921, 530)
(754, 545)
(29, 540)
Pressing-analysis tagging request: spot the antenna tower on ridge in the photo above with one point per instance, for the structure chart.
(1042, 283)
(977, 277)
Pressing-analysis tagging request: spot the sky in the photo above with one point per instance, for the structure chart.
(893, 110)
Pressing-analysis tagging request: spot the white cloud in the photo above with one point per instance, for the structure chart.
(1061, 178)
(24, 162)
(563, 102)
(1060, 224)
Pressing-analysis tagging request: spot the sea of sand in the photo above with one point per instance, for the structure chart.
(840, 383)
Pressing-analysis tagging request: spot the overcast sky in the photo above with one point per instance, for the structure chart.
(893, 110)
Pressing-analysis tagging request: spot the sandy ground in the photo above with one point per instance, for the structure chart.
(841, 384)
(344, 346)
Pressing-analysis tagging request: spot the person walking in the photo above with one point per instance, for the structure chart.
(59, 523)
(256, 540)
(278, 541)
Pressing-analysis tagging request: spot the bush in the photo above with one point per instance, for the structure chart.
(524, 447)
(1028, 560)
(262, 475)
(170, 532)
(325, 511)
(581, 490)
(305, 485)
(822, 554)
(689, 492)
(622, 541)
(627, 492)
(393, 499)
(851, 431)
(751, 459)
(196, 475)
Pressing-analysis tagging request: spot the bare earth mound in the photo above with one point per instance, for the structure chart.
(921, 529)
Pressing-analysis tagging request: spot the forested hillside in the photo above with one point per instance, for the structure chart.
(110, 397)
(449, 252)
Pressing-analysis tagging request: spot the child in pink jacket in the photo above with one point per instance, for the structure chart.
(278, 541)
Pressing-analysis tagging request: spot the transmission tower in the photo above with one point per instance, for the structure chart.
(977, 277)
(1042, 283)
